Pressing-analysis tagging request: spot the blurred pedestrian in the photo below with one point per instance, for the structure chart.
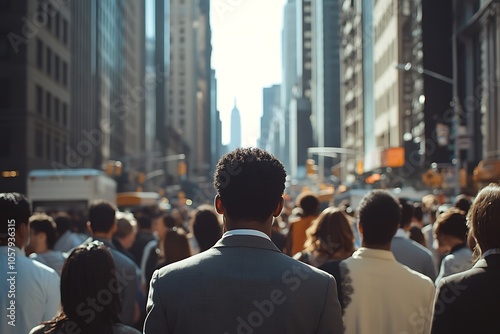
(29, 289)
(206, 227)
(468, 302)
(308, 202)
(43, 235)
(89, 295)
(67, 240)
(124, 236)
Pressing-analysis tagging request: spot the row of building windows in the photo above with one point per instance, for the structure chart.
(48, 146)
(53, 65)
(51, 107)
(55, 22)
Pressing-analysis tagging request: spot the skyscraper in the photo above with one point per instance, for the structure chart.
(235, 128)
(35, 97)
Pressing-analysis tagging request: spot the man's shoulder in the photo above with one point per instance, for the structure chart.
(121, 260)
(412, 246)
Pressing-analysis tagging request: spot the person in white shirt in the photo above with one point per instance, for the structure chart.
(380, 295)
(30, 289)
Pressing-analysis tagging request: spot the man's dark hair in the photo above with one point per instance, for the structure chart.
(63, 222)
(250, 183)
(406, 213)
(418, 212)
(102, 216)
(452, 222)
(144, 221)
(206, 226)
(380, 214)
(462, 202)
(42, 223)
(309, 203)
(14, 208)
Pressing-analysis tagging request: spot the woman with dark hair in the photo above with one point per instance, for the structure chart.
(176, 246)
(89, 295)
(206, 226)
(329, 237)
(468, 302)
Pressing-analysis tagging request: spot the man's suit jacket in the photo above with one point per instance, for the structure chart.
(413, 255)
(243, 284)
(469, 302)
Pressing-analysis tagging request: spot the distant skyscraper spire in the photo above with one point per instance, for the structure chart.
(235, 127)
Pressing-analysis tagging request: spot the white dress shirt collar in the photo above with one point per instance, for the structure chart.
(401, 234)
(245, 231)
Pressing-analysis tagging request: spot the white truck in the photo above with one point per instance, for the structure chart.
(65, 189)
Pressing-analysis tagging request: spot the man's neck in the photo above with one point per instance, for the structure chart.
(250, 225)
(102, 235)
(386, 247)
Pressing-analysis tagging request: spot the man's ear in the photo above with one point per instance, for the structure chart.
(218, 205)
(360, 227)
(279, 207)
(89, 228)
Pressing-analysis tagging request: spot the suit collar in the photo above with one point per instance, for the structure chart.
(492, 260)
(249, 241)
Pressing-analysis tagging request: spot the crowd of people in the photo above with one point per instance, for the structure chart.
(252, 264)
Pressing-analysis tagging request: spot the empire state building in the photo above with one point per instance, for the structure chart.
(235, 128)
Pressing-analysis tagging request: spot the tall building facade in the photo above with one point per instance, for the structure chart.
(354, 50)
(108, 67)
(325, 90)
(35, 95)
(289, 71)
(190, 73)
(272, 127)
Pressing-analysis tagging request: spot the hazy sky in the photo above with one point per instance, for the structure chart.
(246, 41)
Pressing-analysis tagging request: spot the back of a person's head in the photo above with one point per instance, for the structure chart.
(250, 183)
(63, 222)
(331, 232)
(309, 203)
(176, 246)
(125, 224)
(169, 221)
(102, 216)
(484, 218)
(380, 214)
(83, 277)
(206, 226)
(42, 223)
(452, 222)
(418, 212)
(406, 213)
(415, 234)
(463, 203)
(145, 221)
(14, 210)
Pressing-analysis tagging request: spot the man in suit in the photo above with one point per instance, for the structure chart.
(244, 284)
(409, 252)
(381, 295)
(102, 226)
(469, 302)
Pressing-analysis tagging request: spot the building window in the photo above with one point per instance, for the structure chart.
(48, 146)
(39, 100)
(49, 61)
(57, 23)
(49, 17)
(48, 105)
(64, 114)
(56, 67)
(39, 53)
(57, 148)
(65, 73)
(65, 32)
(56, 109)
(39, 143)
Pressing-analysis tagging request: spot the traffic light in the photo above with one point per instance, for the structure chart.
(181, 168)
(310, 167)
